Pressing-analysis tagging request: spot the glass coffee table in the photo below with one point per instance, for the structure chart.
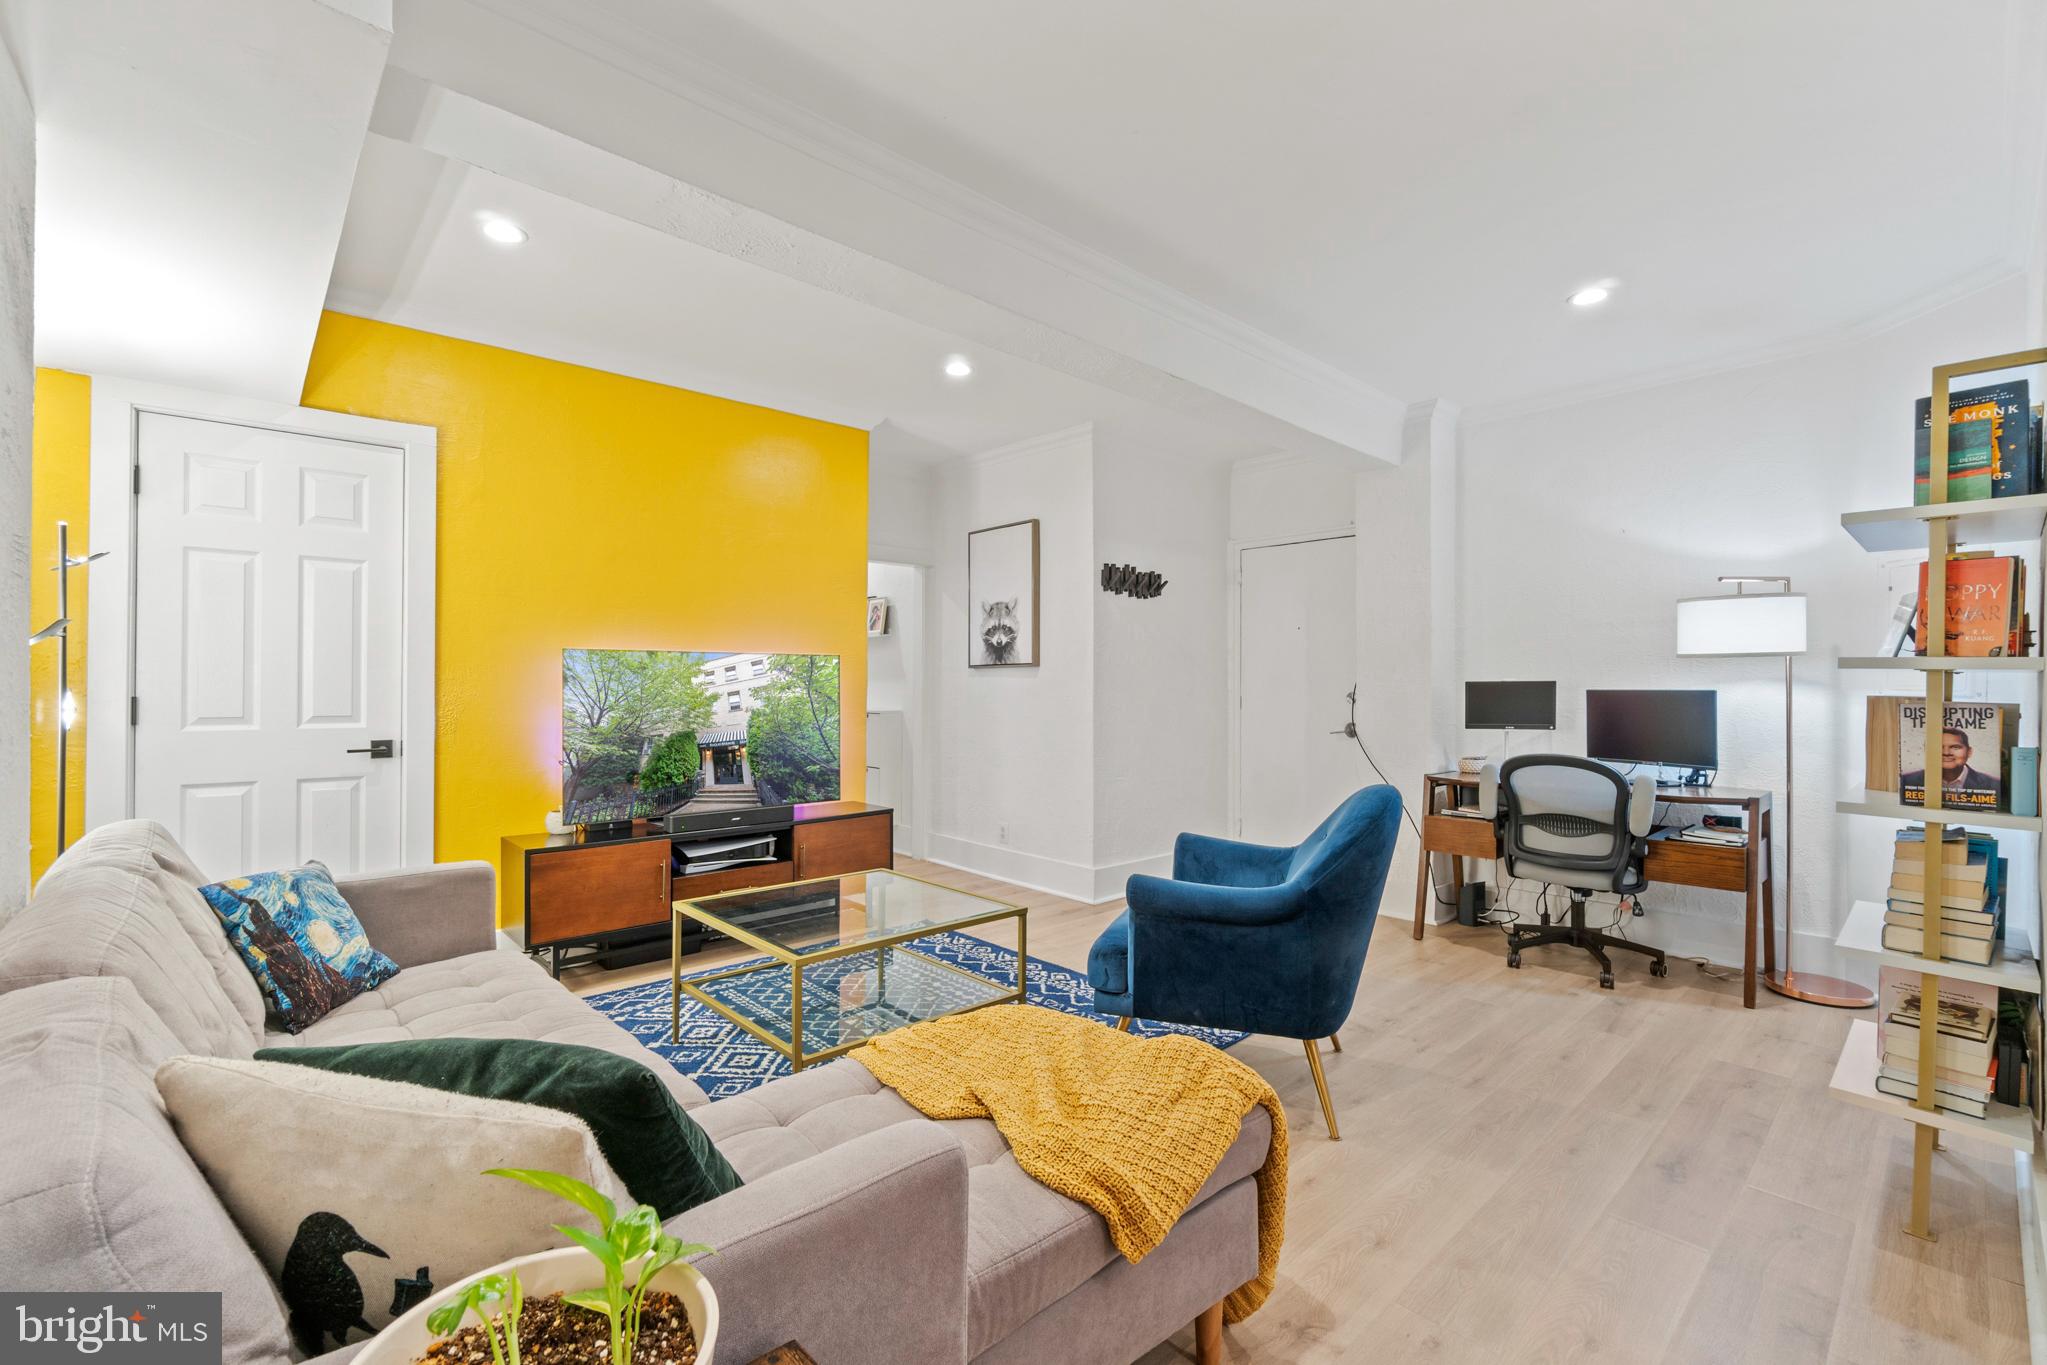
(849, 958)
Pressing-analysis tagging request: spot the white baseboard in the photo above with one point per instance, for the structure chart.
(1110, 880)
(1074, 881)
(1716, 937)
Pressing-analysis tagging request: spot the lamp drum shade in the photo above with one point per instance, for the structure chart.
(1765, 623)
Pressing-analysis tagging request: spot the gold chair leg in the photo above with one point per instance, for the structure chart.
(1322, 1087)
(1123, 1024)
(1336, 1042)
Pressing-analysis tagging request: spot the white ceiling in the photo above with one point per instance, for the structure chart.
(1409, 191)
(598, 290)
(193, 158)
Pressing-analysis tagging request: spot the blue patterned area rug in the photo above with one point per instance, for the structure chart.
(725, 1059)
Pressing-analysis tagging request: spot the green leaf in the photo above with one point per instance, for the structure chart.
(564, 1187)
(593, 1299)
(606, 1254)
(448, 1316)
(635, 1232)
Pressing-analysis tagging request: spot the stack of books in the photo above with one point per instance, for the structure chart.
(1965, 1057)
(1971, 900)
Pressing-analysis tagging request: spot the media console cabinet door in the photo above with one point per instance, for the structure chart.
(593, 890)
(833, 848)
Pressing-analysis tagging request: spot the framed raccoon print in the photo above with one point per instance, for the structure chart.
(1002, 596)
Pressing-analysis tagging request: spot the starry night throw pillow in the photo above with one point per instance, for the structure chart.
(300, 941)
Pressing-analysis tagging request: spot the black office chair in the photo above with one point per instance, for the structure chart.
(1573, 823)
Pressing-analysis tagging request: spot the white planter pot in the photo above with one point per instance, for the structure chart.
(564, 1271)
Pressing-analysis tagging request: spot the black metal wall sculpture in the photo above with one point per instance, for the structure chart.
(1129, 581)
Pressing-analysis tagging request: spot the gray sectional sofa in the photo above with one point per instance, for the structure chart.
(864, 1230)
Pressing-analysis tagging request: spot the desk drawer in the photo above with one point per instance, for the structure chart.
(1460, 835)
(1715, 867)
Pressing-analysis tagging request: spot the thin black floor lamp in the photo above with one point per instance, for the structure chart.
(60, 631)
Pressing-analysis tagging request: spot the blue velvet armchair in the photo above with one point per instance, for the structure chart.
(1251, 938)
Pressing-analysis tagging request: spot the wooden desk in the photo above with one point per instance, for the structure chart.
(1674, 862)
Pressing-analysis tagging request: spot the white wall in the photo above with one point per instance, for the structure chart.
(1582, 526)
(17, 411)
(1286, 495)
(1408, 571)
(901, 510)
(1013, 787)
(1161, 679)
(897, 679)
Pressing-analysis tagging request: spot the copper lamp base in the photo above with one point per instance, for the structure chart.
(1820, 990)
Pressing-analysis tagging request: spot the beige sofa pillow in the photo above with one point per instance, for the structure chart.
(362, 1196)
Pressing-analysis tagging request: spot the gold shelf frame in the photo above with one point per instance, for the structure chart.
(1940, 544)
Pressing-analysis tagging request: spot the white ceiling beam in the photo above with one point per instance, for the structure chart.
(736, 169)
(194, 160)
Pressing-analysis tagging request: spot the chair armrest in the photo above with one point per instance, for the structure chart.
(1226, 862)
(859, 1252)
(1641, 805)
(1158, 899)
(425, 914)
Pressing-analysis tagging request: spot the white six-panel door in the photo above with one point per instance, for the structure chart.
(1296, 658)
(268, 633)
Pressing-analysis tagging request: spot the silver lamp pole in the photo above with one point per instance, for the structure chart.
(60, 631)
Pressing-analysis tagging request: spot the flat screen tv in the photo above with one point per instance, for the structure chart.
(696, 740)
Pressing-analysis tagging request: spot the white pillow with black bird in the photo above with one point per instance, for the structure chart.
(362, 1196)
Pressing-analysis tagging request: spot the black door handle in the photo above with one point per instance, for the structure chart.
(379, 748)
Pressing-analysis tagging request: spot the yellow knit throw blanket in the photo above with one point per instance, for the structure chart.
(1130, 1127)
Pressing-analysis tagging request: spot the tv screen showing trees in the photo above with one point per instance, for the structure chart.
(650, 733)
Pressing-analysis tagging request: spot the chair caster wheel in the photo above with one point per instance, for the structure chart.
(1606, 981)
(1659, 969)
(1513, 959)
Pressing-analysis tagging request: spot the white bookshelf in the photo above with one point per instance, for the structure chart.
(1864, 936)
(1855, 1081)
(1996, 521)
(1886, 806)
(1945, 664)
(1937, 529)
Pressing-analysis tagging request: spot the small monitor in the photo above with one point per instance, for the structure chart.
(1678, 728)
(1510, 706)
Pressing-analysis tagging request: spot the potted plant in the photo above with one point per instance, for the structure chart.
(616, 1290)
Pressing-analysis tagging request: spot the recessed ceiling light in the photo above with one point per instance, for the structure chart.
(503, 231)
(958, 367)
(1592, 295)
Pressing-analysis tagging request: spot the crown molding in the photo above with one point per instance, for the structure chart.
(651, 57)
(1031, 445)
(1968, 286)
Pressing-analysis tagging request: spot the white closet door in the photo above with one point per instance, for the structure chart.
(1297, 658)
(269, 622)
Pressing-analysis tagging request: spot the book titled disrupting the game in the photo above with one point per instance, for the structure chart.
(1975, 758)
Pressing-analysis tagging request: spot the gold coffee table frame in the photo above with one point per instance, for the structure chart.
(701, 910)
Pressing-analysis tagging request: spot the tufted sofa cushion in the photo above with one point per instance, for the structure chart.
(1027, 1246)
(119, 903)
(480, 995)
(97, 1192)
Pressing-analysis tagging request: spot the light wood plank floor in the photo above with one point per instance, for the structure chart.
(1537, 1170)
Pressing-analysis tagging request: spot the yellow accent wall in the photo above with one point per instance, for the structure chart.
(60, 459)
(585, 509)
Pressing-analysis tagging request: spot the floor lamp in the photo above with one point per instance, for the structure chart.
(60, 631)
(1766, 624)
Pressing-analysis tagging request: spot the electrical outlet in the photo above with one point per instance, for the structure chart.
(1002, 834)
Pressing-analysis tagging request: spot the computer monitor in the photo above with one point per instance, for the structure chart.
(1678, 728)
(1510, 706)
